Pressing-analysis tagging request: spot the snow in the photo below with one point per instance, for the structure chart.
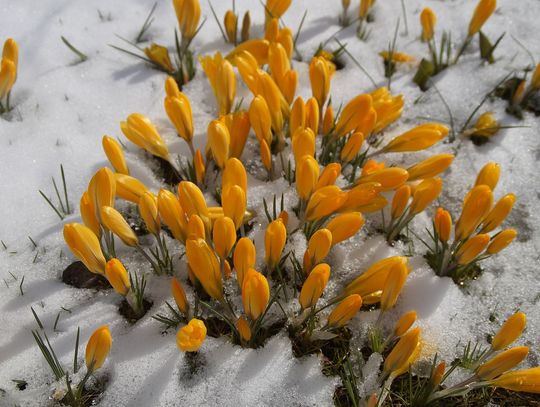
(63, 108)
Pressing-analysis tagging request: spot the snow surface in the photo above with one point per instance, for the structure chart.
(63, 108)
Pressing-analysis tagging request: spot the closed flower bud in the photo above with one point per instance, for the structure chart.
(159, 55)
(178, 110)
(234, 173)
(472, 248)
(442, 224)
(224, 236)
(244, 258)
(140, 131)
(400, 355)
(419, 138)
(102, 188)
(344, 226)
(171, 87)
(118, 276)
(230, 22)
(509, 332)
(312, 115)
(489, 175)
(297, 118)
(345, 311)
(255, 294)
(352, 147)
(499, 213)
(115, 222)
(85, 245)
(221, 76)
(319, 245)
(234, 204)
(324, 202)
(114, 153)
(535, 80)
(148, 208)
(219, 140)
(400, 201)
(179, 296)
(485, 126)
(11, 51)
(428, 20)
(192, 201)
(388, 178)
(437, 375)
(243, 329)
(274, 242)
(501, 241)
(374, 278)
(258, 53)
(276, 8)
(393, 285)
(8, 74)
(430, 167)
(267, 88)
(319, 77)
(303, 143)
(246, 25)
(482, 12)
(527, 380)
(476, 205)
(266, 155)
(172, 214)
(88, 214)
(502, 362)
(314, 286)
(188, 13)
(129, 188)
(353, 115)
(238, 125)
(204, 264)
(365, 5)
(307, 175)
(200, 170)
(328, 120)
(98, 347)
(259, 117)
(404, 323)
(195, 228)
(425, 193)
(191, 336)
(360, 196)
(329, 175)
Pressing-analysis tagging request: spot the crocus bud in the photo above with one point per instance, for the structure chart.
(319, 245)
(307, 175)
(527, 380)
(312, 115)
(328, 119)
(172, 214)
(230, 21)
(8, 74)
(324, 202)
(360, 196)
(274, 9)
(428, 20)
(118, 276)
(98, 347)
(502, 362)
(11, 51)
(219, 140)
(192, 201)
(140, 131)
(344, 226)
(148, 208)
(488, 175)
(113, 151)
(419, 138)
(425, 193)
(159, 55)
(205, 266)
(352, 147)
(171, 87)
(85, 245)
(274, 242)
(400, 201)
(535, 80)
(129, 188)
(234, 173)
(329, 175)
(234, 204)
(437, 375)
(244, 258)
(267, 88)
(499, 213)
(442, 224)
(200, 169)
(402, 351)
(485, 126)
(314, 286)
(509, 332)
(179, 296)
(243, 329)
(178, 110)
(393, 285)
(238, 125)
(191, 336)
(297, 118)
(476, 205)
(353, 115)
(404, 323)
(472, 248)
(345, 311)
(88, 214)
(102, 188)
(266, 155)
(319, 77)
(365, 5)
(482, 12)
(224, 236)
(255, 294)
(259, 117)
(115, 222)
(188, 13)
(388, 178)
(303, 143)
(374, 278)
(246, 25)
(195, 228)
(501, 241)
(430, 167)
